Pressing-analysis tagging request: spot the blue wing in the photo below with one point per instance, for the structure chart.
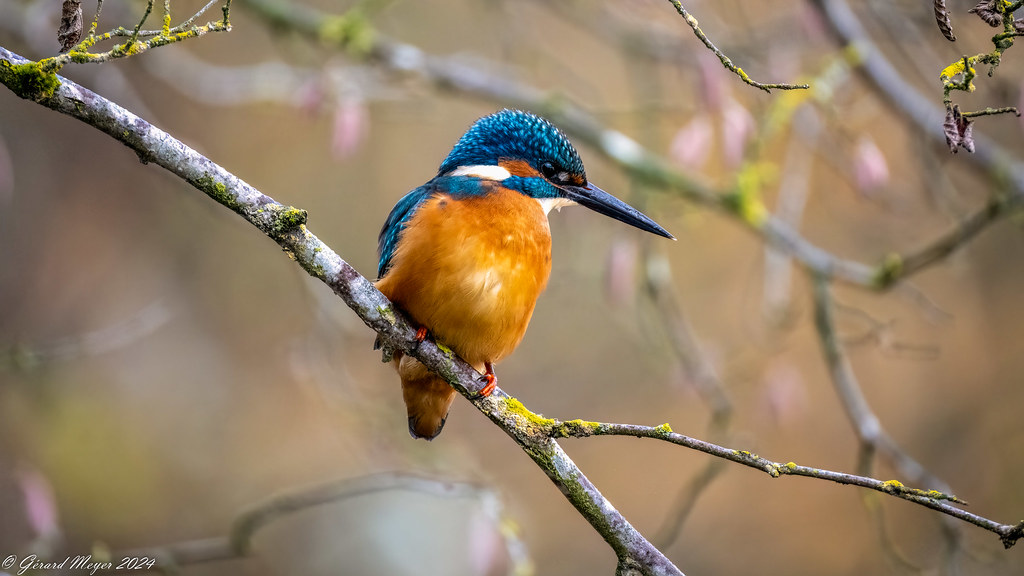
(455, 186)
(387, 241)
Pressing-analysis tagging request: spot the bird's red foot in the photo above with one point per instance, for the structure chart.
(492, 381)
(421, 334)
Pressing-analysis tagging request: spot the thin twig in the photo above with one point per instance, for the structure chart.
(992, 111)
(132, 46)
(145, 15)
(193, 18)
(96, 19)
(122, 32)
(726, 61)
(934, 499)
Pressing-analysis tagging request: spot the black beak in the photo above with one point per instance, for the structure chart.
(604, 203)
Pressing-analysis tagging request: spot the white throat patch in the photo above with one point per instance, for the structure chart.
(546, 204)
(482, 171)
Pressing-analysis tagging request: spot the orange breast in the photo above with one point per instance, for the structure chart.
(471, 269)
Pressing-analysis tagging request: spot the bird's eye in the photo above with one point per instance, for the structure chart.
(548, 170)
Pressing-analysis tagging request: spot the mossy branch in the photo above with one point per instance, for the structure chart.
(81, 53)
(960, 75)
(992, 112)
(933, 499)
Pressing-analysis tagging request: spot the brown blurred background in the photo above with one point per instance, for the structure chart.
(165, 365)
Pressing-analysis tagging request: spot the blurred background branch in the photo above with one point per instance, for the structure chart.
(172, 557)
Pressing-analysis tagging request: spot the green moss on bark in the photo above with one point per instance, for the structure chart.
(29, 80)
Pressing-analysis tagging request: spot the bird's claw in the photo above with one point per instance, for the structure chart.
(492, 383)
(491, 379)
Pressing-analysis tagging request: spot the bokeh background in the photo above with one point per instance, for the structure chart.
(164, 366)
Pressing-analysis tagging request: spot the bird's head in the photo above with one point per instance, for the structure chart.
(529, 154)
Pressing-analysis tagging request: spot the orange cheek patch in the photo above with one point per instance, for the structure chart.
(518, 168)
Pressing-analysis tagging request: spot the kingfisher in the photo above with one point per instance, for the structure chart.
(467, 254)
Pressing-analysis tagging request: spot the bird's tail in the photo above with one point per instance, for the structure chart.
(427, 398)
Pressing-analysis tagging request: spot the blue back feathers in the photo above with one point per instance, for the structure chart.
(504, 135)
(387, 241)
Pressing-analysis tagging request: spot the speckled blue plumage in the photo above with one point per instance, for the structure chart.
(387, 241)
(508, 135)
(512, 134)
